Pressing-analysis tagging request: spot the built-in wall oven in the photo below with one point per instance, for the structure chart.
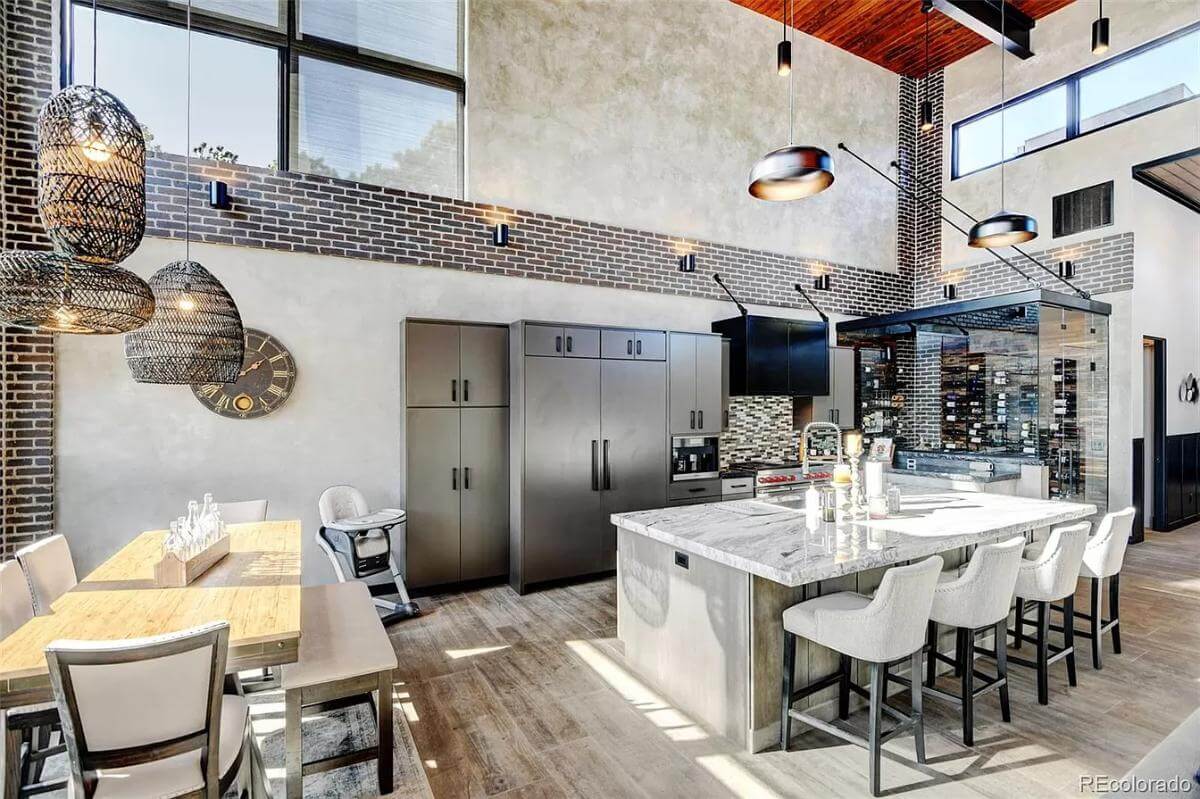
(694, 458)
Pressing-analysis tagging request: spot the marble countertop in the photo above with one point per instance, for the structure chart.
(974, 477)
(774, 539)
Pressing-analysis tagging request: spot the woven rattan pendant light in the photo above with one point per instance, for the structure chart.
(91, 158)
(50, 292)
(196, 334)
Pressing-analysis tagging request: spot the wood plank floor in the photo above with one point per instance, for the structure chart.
(511, 696)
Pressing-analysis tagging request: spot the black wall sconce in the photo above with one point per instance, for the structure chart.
(500, 235)
(950, 291)
(218, 194)
(687, 263)
(822, 283)
(1066, 269)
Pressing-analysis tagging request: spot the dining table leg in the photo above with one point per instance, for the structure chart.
(386, 733)
(12, 758)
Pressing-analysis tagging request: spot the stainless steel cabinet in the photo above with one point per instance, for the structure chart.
(838, 405)
(696, 404)
(588, 439)
(640, 345)
(455, 440)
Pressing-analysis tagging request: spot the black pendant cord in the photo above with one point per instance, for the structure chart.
(187, 147)
(938, 195)
(792, 82)
(1003, 3)
(95, 43)
(842, 146)
(927, 13)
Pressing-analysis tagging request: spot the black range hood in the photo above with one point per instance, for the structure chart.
(770, 356)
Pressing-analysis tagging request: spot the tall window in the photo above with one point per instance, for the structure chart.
(1145, 79)
(356, 89)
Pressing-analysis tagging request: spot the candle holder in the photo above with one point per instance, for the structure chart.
(854, 450)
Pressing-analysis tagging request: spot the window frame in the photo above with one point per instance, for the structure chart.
(1071, 83)
(289, 43)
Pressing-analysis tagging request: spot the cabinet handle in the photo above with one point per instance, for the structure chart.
(693, 422)
(700, 423)
(595, 472)
(569, 342)
(454, 391)
(639, 346)
(558, 343)
(467, 478)
(466, 390)
(629, 346)
(696, 490)
(607, 475)
(453, 478)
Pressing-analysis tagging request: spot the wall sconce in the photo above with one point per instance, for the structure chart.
(1066, 269)
(218, 194)
(822, 283)
(950, 291)
(500, 235)
(687, 263)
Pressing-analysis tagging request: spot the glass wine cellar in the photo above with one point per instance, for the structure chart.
(1014, 379)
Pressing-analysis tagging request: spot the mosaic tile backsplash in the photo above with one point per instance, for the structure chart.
(760, 428)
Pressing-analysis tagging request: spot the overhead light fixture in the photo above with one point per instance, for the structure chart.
(500, 235)
(1003, 228)
(950, 291)
(822, 282)
(53, 293)
(792, 172)
(687, 263)
(1100, 33)
(926, 117)
(783, 53)
(1066, 269)
(196, 333)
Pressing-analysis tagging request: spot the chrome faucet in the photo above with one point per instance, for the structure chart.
(821, 426)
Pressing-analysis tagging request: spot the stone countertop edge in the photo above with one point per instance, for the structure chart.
(886, 557)
(984, 477)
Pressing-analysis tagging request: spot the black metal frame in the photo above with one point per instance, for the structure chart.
(1071, 82)
(1138, 171)
(964, 668)
(1095, 616)
(1046, 654)
(287, 40)
(935, 312)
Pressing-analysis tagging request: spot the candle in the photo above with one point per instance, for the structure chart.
(854, 444)
(874, 479)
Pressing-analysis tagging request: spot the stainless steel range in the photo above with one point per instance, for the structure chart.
(779, 478)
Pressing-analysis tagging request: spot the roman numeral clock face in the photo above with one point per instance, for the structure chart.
(267, 377)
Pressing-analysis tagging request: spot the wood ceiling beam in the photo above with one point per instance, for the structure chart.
(983, 17)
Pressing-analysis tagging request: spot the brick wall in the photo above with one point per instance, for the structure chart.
(26, 359)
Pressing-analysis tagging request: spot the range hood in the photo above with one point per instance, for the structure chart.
(771, 356)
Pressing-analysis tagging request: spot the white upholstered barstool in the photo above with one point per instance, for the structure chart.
(49, 569)
(250, 510)
(1047, 579)
(977, 600)
(146, 717)
(881, 631)
(1102, 560)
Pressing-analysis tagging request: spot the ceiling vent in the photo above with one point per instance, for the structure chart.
(1083, 209)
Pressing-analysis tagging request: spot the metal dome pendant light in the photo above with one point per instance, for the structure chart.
(1003, 228)
(795, 171)
(196, 334)
(52, 293)
(91, 160)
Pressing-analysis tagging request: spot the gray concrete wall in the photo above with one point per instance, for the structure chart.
(650, 114)
(131, 455)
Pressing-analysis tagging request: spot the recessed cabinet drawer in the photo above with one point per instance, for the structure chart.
(737, 486)
(694, 489)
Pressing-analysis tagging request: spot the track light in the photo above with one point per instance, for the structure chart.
(1100, 33)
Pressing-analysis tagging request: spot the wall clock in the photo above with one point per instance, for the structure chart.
(266, 380)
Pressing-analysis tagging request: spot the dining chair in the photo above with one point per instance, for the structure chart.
(49, 569)
(146, 717)
(251, 510)
(882, 631)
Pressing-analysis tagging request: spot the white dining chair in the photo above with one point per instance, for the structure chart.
(49, 569)
(977, 600)
(883, 630)
(16, 603)
(146, 717)
(250, 510)
(1045, 580)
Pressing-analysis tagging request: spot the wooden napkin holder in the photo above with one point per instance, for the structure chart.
(176, 572)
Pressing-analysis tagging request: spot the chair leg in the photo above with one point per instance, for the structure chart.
(966, 639)
(785, 692)
(931, 640)
(1019, 635)
(1042, 642)
(1002, 668)
(1069, 637)
(918, 709)
(878, 687)
(1114, 610)
(1097, 620)
(844, 688)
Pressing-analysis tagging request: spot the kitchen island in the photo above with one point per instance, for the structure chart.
(701, 589)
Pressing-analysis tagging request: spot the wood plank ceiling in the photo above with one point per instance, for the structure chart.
(891, 33)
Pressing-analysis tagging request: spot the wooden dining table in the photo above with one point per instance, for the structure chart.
(256, 588)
